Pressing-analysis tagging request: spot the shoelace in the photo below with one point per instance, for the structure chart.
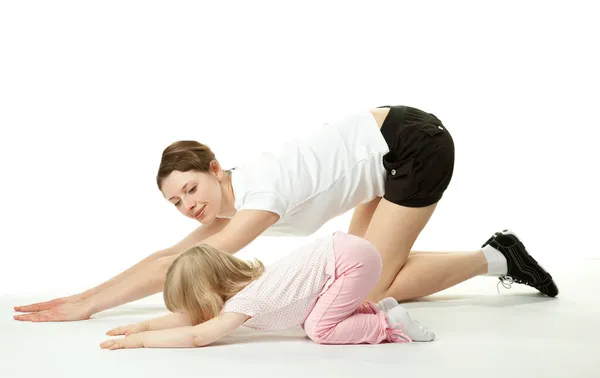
(506, 281)
(395, 334)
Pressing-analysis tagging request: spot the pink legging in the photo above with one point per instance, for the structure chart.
(341, 315)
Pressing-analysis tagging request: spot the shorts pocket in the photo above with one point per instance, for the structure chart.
(401, 183)
(398, 169)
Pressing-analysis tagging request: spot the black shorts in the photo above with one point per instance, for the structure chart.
(420, 162)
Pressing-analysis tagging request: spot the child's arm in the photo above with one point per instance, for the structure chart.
(220, 326)
(183, 337)
(172, 320)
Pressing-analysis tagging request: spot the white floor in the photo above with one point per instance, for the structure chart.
(516, 333)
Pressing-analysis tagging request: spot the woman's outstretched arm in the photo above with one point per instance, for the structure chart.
(198, 235)
(149, 277)
(243, 228)
(78, 305)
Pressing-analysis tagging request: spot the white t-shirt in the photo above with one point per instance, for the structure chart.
(285, 294)
(310, 180)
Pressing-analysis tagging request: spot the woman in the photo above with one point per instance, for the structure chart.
(391, 165)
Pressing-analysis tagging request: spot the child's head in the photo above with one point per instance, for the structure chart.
(201, 279)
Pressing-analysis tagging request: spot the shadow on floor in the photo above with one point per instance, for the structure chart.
(503, 300)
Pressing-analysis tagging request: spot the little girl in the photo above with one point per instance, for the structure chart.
(321, 287)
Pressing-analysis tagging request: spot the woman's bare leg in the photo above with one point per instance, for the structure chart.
(361, 217)
(426, 274)
(393, 230)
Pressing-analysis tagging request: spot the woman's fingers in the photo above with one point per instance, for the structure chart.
(35, 307)
(32, 317)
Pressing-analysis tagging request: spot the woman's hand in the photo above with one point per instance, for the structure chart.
(168, 338)
(42, 306)
(57, 310)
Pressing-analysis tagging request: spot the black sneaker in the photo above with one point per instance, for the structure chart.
(522, 268)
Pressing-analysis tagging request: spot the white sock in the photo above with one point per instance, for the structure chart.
(413, 329)
(386, 304)
(496, 261)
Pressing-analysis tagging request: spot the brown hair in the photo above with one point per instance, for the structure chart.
(203, 278)
(183, 156)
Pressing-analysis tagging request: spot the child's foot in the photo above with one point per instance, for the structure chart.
(522, 267)
(412, 329)
(386, 304)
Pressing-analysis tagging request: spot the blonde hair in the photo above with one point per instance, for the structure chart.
(203, 278)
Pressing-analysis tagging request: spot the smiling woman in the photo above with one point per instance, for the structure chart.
(392, 165)
(191, 179)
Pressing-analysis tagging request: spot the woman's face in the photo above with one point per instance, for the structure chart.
(196, 195)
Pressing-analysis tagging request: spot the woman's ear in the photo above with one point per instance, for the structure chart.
(215, 169)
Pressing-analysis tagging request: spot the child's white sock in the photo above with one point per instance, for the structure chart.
(496, 261)
(386, 304)
(412, 329)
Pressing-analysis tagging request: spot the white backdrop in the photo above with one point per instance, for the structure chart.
(91, 93)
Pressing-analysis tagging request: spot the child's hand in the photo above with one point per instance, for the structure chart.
(167, 338)
(129, 329)
(129, 342)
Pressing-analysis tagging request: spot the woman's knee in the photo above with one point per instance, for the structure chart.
(394, 230)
